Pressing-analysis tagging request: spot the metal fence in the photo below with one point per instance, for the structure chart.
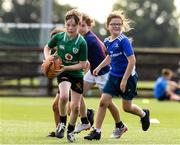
(20, 69)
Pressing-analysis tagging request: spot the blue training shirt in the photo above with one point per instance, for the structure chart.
(160, 87)
(96, 52)
(118, 50)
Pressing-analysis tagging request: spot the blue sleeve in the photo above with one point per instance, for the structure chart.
(127, 47)
(105, 44)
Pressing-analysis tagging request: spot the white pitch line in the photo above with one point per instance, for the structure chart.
(154, 120)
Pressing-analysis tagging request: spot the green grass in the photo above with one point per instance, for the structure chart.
(36, 81)
(28, 121)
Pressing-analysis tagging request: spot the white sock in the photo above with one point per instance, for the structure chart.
(98, 130)
(144, 114)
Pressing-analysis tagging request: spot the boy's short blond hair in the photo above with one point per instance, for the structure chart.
(87, 19)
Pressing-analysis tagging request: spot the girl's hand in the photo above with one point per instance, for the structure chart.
(96, 71)
(123, 85)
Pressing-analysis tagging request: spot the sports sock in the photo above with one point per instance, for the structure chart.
(70, 128)
(88, 112)
(84, 120)
(144, 114)
(63, 119)
(119, 124)
(98, 130)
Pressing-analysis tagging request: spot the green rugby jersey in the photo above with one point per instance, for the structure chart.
(71, 51)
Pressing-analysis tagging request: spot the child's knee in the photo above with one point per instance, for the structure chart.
(127, 108)
(55, 107)
(103, 103)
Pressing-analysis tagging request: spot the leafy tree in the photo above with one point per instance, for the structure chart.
(27, 11)
(59, 12)
(155, 23)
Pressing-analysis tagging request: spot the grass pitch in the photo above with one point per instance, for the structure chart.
(28, 121)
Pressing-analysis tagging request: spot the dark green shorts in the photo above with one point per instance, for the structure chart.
(112, 87)
(76, 82)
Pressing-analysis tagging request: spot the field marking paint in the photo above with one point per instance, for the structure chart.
(154, 120)
(145, 101)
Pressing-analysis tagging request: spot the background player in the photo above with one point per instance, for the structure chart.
(165, 88)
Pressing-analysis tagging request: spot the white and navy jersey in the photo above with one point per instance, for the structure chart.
(119, 49)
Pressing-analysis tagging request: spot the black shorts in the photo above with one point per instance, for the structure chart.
(76, 82)
(164, 97)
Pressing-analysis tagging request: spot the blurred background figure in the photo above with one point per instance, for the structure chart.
(165, 88)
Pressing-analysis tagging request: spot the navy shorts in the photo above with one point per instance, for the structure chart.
(164, 97)
(112, 87)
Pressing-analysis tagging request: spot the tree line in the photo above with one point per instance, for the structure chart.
(155, 22)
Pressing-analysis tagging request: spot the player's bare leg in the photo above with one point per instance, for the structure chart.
(129, 107)
(104, 103)
(56, 114)
(75, 106)
(64, 88)
(87, 120)
(56, 109)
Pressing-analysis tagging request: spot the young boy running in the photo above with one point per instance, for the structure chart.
(72, 49)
